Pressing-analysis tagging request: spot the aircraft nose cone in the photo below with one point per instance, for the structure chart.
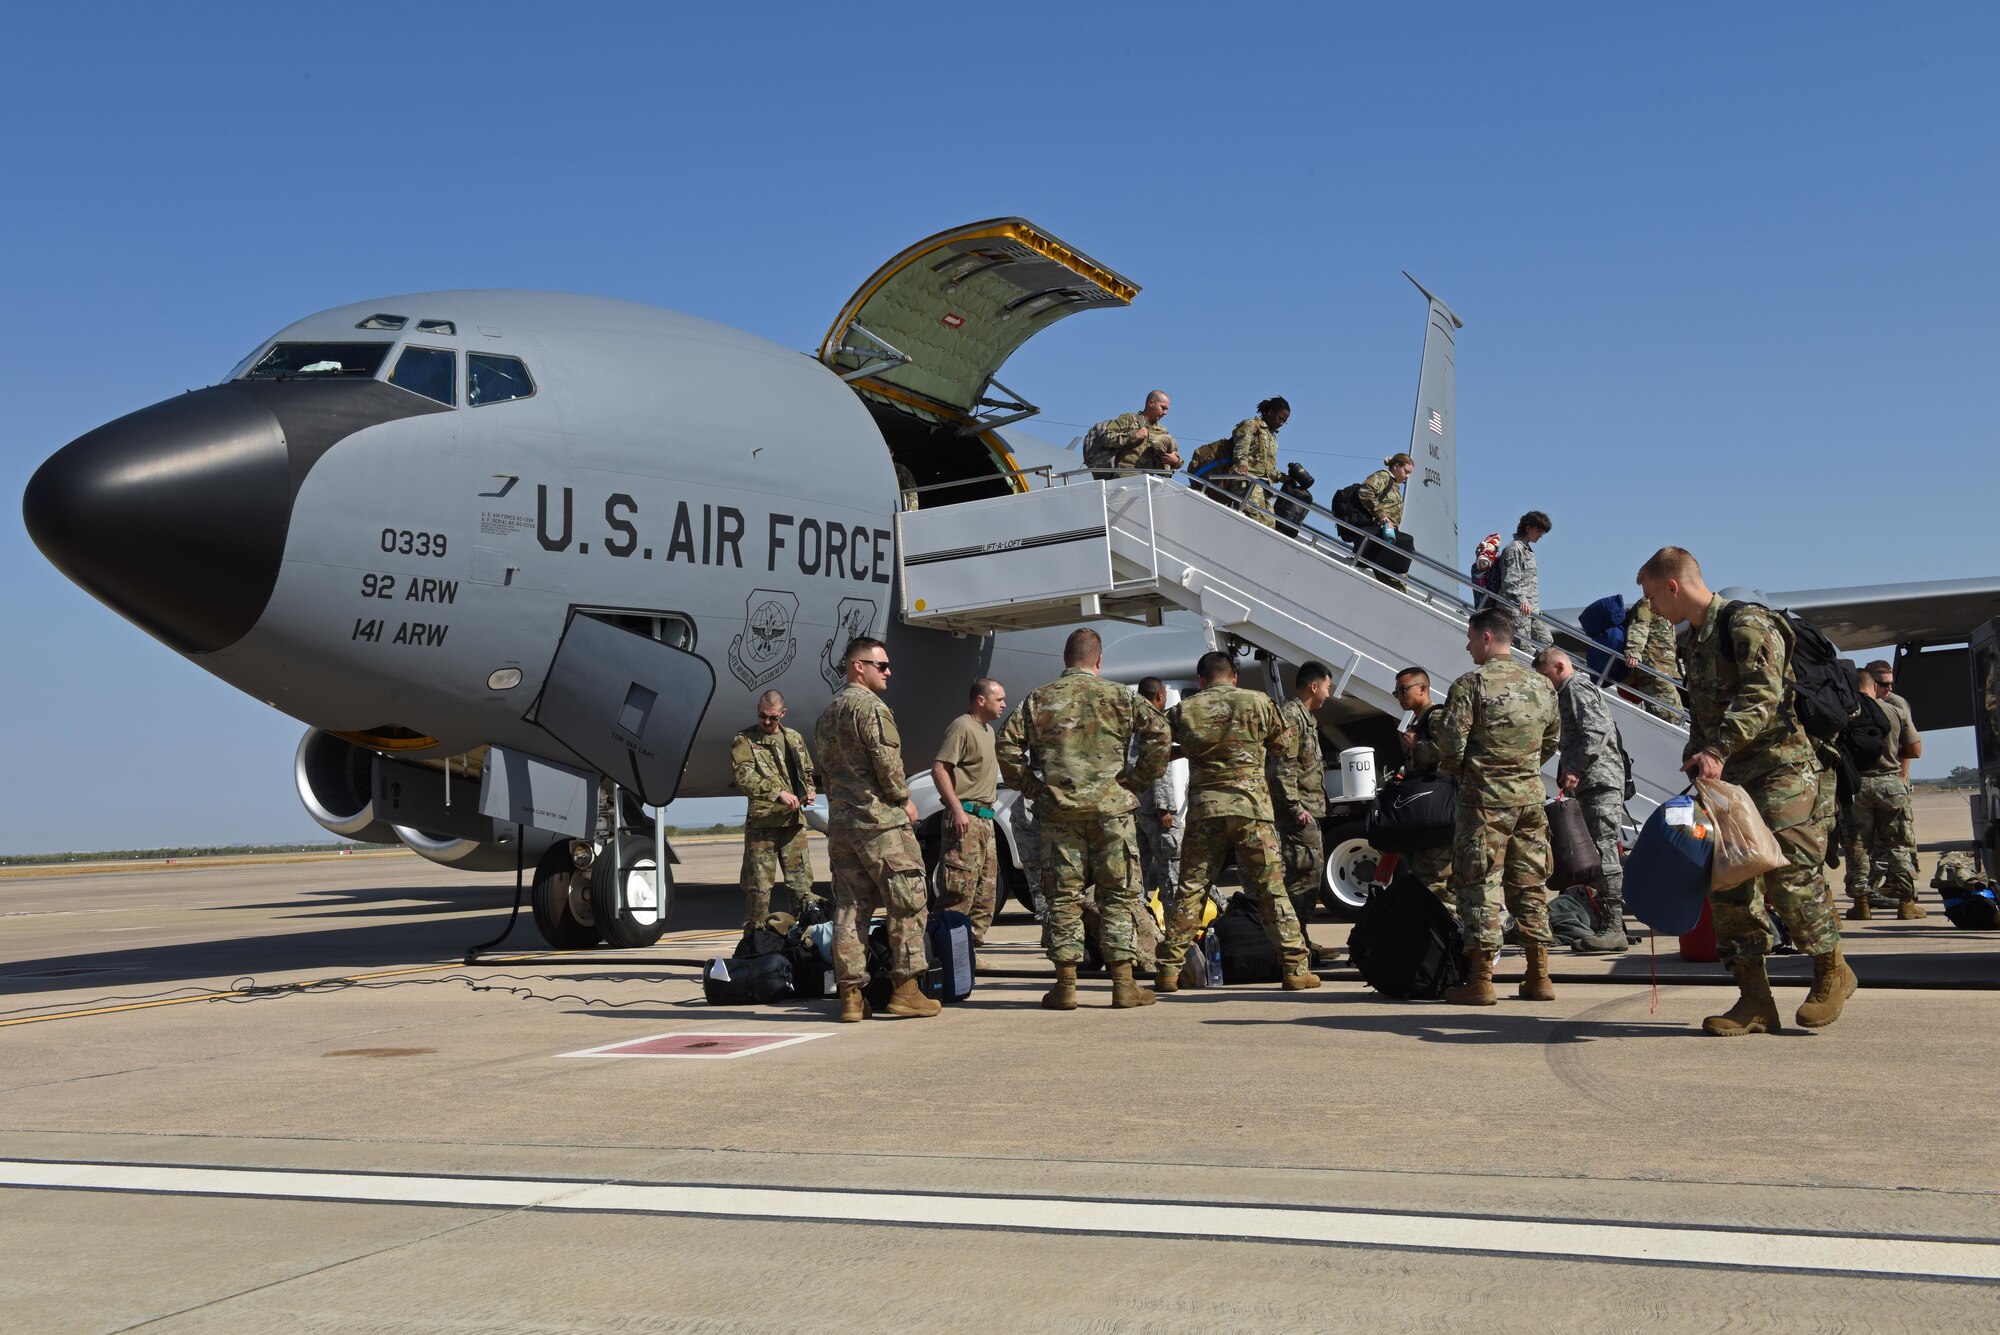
(173, 516)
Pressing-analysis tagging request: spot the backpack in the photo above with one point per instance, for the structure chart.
(1486, 562)
(1667, 871)
(1865, 739)
(948, 942)
(1097, 446)
(812, 976)
(880, 986)
(1406, 943)
(1822, 695)
(1604, 622)
(1248, 954)
(1346, 506)
(1972, 907)
(1210, 457)
(759, 978)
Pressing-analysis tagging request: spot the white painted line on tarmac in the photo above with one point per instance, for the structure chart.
(1653, 1244)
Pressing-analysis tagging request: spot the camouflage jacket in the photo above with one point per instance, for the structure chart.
(764, 765)
(1304, 759)
(1128, 450)
(1255, 447)
(1499, 724)
(1590, 746)
(1649, 639)
(1956, 868)
(1424, 755)
(1065, 747)
(1738, 710)
(1382, 498)
(1520, 581)
(861, 761)
(1226, 733)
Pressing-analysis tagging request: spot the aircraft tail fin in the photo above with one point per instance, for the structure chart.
(1430, 507)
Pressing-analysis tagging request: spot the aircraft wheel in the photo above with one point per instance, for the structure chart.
(1350, 869)
(633, 919)
(561, 901)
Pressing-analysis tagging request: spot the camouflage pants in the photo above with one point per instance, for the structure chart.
(969, 866)
(1789, 801)
(1304, 854)
(1432, 866)
(1159, 856)
(876, 869)
(1500, 853)
(1652, 687)
(1098, 855)
(771, 856)
(1209, 841)
(1603, 809)
(1884, 830)
(1028, 841)
(1257, 502)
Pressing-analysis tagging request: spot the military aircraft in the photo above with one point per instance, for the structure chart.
(522, 561)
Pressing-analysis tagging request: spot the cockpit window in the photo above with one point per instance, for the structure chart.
(383, 322)
(431, 372)
(493, 379)
(313, 361)
(445, 327)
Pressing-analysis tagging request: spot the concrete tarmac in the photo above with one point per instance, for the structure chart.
(413, 1144)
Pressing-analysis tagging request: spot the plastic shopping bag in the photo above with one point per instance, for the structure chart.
(1744, 845)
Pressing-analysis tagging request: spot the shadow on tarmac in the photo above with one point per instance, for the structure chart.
(1495, 1025)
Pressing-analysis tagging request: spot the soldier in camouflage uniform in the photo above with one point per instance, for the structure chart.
(1653, 661)
(1518, 585)
(773, 769)
(1742, 730)
(1381, 499)
(1253, 445)
(1226, 735)
(876, 862)
(1159, 815)
(967, 774)
(1499, 725)
(1066, 747)
(1138, 441)
(1592, 772)
(1299, 823)
(1882, 826)
(1430, 865)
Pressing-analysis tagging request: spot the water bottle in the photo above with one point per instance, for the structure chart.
(1213, 945)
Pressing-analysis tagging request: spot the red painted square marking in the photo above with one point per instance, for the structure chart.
(701, 1045)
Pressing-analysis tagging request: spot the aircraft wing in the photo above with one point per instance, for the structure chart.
(1925, 612)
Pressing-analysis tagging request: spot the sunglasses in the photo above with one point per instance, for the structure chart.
(879, 664)
(772, 718)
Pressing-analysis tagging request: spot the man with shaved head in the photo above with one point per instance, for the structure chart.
(774, 770)
(967, 775)
(1593, 773)
(1137, 440)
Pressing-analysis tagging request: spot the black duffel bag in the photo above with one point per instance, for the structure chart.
(1572, 852)
(1412, 814)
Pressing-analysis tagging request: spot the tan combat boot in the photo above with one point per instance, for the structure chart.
(1062, 997)
(1477, 990)
(1125, 993)
(1167, 979)
(854, 1007)
(1859, 910)
(1909, 909)
(1833, 984)
(1754, 1012)
(1305, 980)
(909, 1000)
(1535, 984)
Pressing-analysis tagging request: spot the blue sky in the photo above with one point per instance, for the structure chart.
(1725, 270)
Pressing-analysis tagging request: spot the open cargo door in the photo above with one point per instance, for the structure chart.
(924, 339)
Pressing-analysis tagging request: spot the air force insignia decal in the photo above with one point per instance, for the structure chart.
(855, 617)
(765, 648)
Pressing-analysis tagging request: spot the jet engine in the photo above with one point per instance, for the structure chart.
(336, 781)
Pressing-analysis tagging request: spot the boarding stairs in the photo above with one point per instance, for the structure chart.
(1073, 547)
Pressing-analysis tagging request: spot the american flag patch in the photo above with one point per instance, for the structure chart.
(954, 321)
(1437, 422)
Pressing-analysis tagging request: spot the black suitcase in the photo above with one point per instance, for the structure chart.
(1406, 943)
(1394, 559)
(1248, 955)
(1572, 852)
(1412, 814)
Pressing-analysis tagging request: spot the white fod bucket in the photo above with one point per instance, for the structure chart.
(1357, 772)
